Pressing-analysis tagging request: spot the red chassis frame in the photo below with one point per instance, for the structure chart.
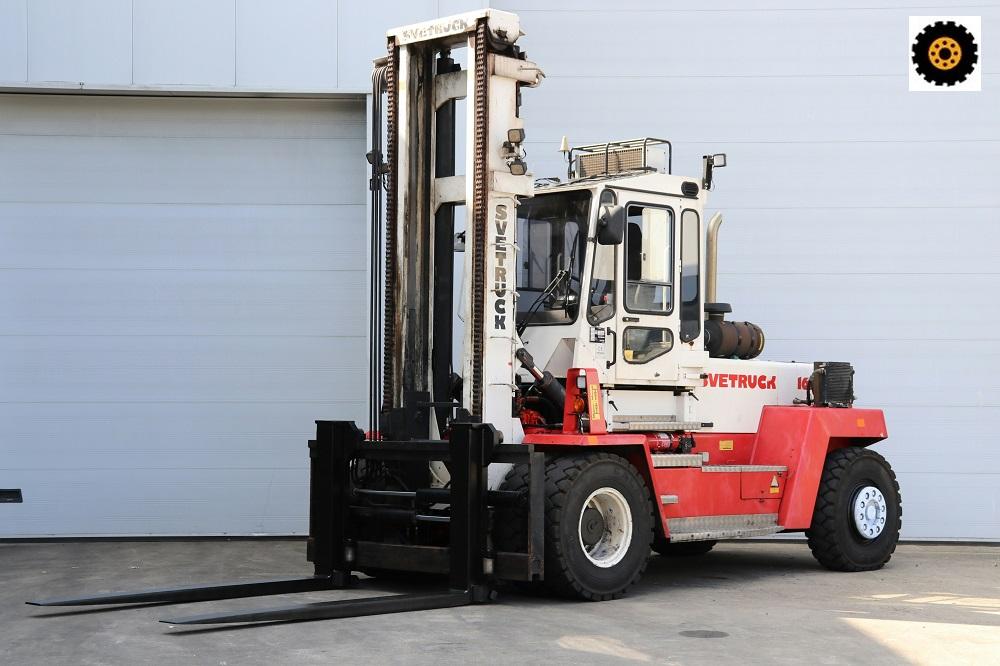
(795, 437)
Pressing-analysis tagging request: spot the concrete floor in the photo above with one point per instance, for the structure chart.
(763, 602)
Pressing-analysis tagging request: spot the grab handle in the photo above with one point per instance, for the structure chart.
(614, 347)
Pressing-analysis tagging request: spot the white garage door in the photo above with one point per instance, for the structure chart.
(182, 293)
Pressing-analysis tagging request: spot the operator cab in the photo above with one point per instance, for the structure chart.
(610, 270)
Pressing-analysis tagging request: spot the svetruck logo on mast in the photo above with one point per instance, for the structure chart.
(435, 29)
(499, 269)
(944, 53)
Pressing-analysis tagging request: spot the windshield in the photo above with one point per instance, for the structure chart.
(551, 240)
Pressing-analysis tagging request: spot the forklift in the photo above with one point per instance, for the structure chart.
(603, 406)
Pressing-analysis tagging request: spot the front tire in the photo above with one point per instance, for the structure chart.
(598, 526)
(858, 514)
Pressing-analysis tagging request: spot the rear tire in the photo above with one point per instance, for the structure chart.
(510, 521)
(858, 514)
(598, 526)
(682, 548)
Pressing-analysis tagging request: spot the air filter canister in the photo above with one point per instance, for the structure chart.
(733, 339)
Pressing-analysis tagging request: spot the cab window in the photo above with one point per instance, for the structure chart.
(602, 285)
(649, 259)
(551, 239)
(690, 276)
(643, 344)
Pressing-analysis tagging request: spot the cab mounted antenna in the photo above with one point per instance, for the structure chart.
(565, 150)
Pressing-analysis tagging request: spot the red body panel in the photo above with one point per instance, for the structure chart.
(763, 485)
(797, 438)
(726, 449)
(707, 494)
(800, 438)
(590, 398)
(546, 439)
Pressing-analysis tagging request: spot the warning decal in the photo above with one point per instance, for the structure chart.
(594, 398)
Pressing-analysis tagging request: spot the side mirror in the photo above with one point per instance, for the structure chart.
(611, 225)
(709, 163)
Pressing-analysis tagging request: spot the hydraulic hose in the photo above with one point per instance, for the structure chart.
(547, 384)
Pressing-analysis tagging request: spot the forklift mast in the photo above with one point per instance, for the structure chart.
(422, 79)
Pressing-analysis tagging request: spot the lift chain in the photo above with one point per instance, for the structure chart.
(389, 311)
(480, 172)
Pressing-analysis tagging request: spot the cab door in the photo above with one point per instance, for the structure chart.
(647, 318)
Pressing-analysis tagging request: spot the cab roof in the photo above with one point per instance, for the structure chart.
(652, 181)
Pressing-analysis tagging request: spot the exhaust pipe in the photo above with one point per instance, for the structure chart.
(712, 258)
(725, 339)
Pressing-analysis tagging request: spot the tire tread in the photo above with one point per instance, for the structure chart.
(560, 473)
(822, 533)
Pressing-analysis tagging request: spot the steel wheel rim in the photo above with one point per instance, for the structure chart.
(868, 512)
(612, 545)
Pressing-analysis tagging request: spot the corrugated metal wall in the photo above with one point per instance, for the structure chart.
(183, 293)
(861, 219)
